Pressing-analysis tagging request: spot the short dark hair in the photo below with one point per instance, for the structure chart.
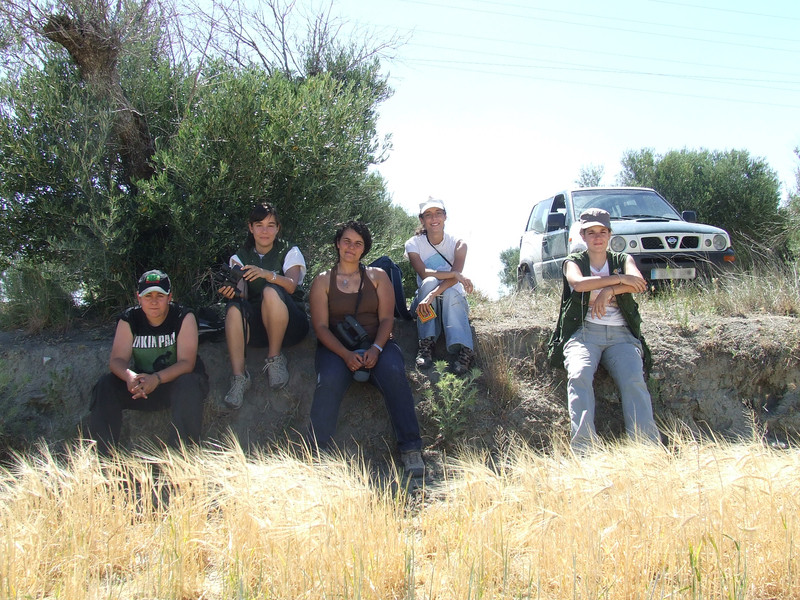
(258, 213)
(360, 228)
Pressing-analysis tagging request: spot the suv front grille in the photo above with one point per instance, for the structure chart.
(670, 242)
(652, 243)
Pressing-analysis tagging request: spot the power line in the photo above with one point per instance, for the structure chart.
(449, 66)
(726, 10)
(606, 28)
(571, 67)
(650, 23)
(588, 67)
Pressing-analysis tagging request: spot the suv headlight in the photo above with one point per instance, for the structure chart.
(617, 243)
(720, 242)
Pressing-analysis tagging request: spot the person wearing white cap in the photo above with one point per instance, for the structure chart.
(440, 302)
(154, 366)
(599, 323)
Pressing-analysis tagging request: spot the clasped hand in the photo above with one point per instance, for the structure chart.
(141, 384)
(362, 360)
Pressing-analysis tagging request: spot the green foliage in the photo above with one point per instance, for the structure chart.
(509, 258)
(728, 189)
(225, 137)
(12, 422)
(36, 297)
(792, 212)
(590, 176)
(451, 399)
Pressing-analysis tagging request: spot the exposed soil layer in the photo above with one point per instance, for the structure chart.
(721, 376)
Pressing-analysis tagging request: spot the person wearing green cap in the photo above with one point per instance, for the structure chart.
(154, 366)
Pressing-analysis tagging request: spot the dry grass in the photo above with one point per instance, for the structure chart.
(694, 521)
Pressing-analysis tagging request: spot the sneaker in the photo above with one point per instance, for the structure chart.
(425, 353)
(275, 368)
(412, 463)
(239, 385)
(462, 364)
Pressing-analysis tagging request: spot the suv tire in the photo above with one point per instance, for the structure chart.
(526, 281)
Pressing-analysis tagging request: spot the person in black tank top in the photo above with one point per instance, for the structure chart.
(154, 366)
(352, 313)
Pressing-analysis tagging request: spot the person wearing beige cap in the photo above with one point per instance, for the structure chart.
(599, 323)
(440, 303)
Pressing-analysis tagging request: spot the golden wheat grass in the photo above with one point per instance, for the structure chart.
(700, 520)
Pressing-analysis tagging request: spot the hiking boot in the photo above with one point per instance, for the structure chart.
(412, 463)
(275, 368)
(239, 385)
(425, 353)
(462, 364)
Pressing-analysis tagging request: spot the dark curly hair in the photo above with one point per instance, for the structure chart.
(360, 228)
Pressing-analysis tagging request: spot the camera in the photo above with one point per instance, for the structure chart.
(352, 335)
(229, 276)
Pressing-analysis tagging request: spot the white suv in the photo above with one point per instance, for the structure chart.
(666, 244)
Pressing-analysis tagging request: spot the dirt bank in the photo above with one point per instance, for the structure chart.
(721, 375)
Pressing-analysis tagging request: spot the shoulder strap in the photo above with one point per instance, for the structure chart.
(332, 284)
(437, 250)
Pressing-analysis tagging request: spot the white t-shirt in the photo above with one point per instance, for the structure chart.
(433, 260)
(613, 315)
(293, 258)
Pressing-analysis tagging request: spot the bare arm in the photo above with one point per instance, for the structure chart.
(318, 303)
(447, 279)
(121, 352)
(288, 281)
(186, 350)
(383, 286)
(629, 282)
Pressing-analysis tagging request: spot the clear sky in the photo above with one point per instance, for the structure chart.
(500, 103)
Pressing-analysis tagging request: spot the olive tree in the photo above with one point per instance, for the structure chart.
(129, 141)
(728, 189)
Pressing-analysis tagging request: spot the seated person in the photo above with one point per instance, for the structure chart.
(438, 258)
(161, 339)
(600, 324)
(268, 310)
(352, 291)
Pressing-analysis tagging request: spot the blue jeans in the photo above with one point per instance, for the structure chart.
(388, 375)
(452, 316)
(620, 353)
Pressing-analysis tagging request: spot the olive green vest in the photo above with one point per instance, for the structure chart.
(575, 305)
(272, 261)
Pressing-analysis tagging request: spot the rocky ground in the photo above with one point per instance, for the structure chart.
(731, 376)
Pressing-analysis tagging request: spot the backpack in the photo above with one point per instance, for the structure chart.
(210, 323)
(396, 277)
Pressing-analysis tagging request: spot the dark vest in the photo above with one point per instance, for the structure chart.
(272, 261)
(575, 306)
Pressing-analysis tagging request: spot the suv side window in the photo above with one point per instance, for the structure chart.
(538, 220)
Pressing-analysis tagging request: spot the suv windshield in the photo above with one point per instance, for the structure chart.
(623, 204)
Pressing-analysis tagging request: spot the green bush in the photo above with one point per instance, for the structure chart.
(36, 298)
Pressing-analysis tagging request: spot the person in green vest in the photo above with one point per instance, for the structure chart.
(600, 323)
(265, 308)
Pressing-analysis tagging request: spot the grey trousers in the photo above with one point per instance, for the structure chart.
(620, 353)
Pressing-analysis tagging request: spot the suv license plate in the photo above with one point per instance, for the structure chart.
(683, 273)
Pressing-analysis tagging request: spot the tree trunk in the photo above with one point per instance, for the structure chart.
(96, 51)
